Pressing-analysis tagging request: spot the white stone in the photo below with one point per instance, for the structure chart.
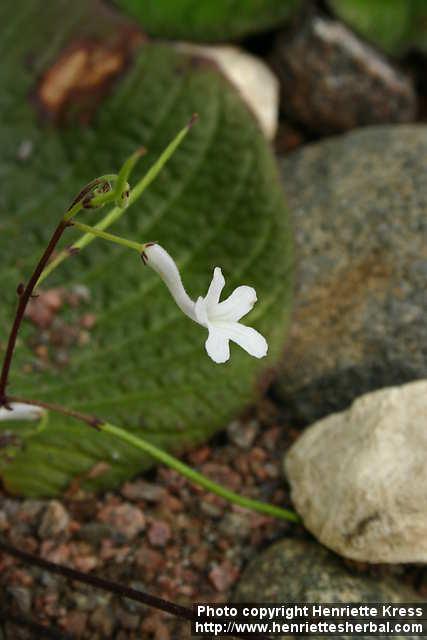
(359, 478)
(255, 81)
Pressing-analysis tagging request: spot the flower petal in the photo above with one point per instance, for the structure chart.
(237, 305)
(217, 345)
(246, 337)
(21, 411)
(214, 291)
(200, 311)
(162, 263)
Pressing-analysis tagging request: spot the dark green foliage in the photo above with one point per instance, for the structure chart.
(217, 20)
(396, 26)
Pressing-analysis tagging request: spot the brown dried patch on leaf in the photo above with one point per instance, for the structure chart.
(83, 74)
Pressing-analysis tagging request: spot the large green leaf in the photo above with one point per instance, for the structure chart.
(394, 25)
(217, 202)
(218, 20)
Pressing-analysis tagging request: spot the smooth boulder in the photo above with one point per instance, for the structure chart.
(359, 479)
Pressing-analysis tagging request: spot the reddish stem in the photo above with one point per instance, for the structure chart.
(24, 297)
(113, 587)
(91, 421)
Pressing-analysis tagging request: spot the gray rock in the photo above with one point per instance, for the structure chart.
(292, 571)
(359, 204)
(359, 478)
(332, 81)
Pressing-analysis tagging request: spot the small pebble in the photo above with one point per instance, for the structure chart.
(141, 490)
(102, 620)
(88, 321)
(223, 575)
(243, 434)
(124, 519)
(74, 622)
(3, 521)
(55, 520)
(22, 597)
(159, 533)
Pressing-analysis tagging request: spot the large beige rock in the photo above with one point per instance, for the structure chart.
(359, 478)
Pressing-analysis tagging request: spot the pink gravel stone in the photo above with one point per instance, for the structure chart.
(159, 533)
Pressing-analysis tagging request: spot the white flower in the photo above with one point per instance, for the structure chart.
(21, 411)
(220, 318)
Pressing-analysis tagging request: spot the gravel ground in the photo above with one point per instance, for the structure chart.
(157, 533)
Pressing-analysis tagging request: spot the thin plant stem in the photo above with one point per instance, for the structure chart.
(25, 292)
(122, 185)
(155, 169)
(170, 461)
(100, 583)
(129, 244)
(116, 213)
(87, 192)
(24, 297)
(197, 478)
(91, 421)
(121, 590)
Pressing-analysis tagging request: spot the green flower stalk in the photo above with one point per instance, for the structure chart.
(198, 478)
